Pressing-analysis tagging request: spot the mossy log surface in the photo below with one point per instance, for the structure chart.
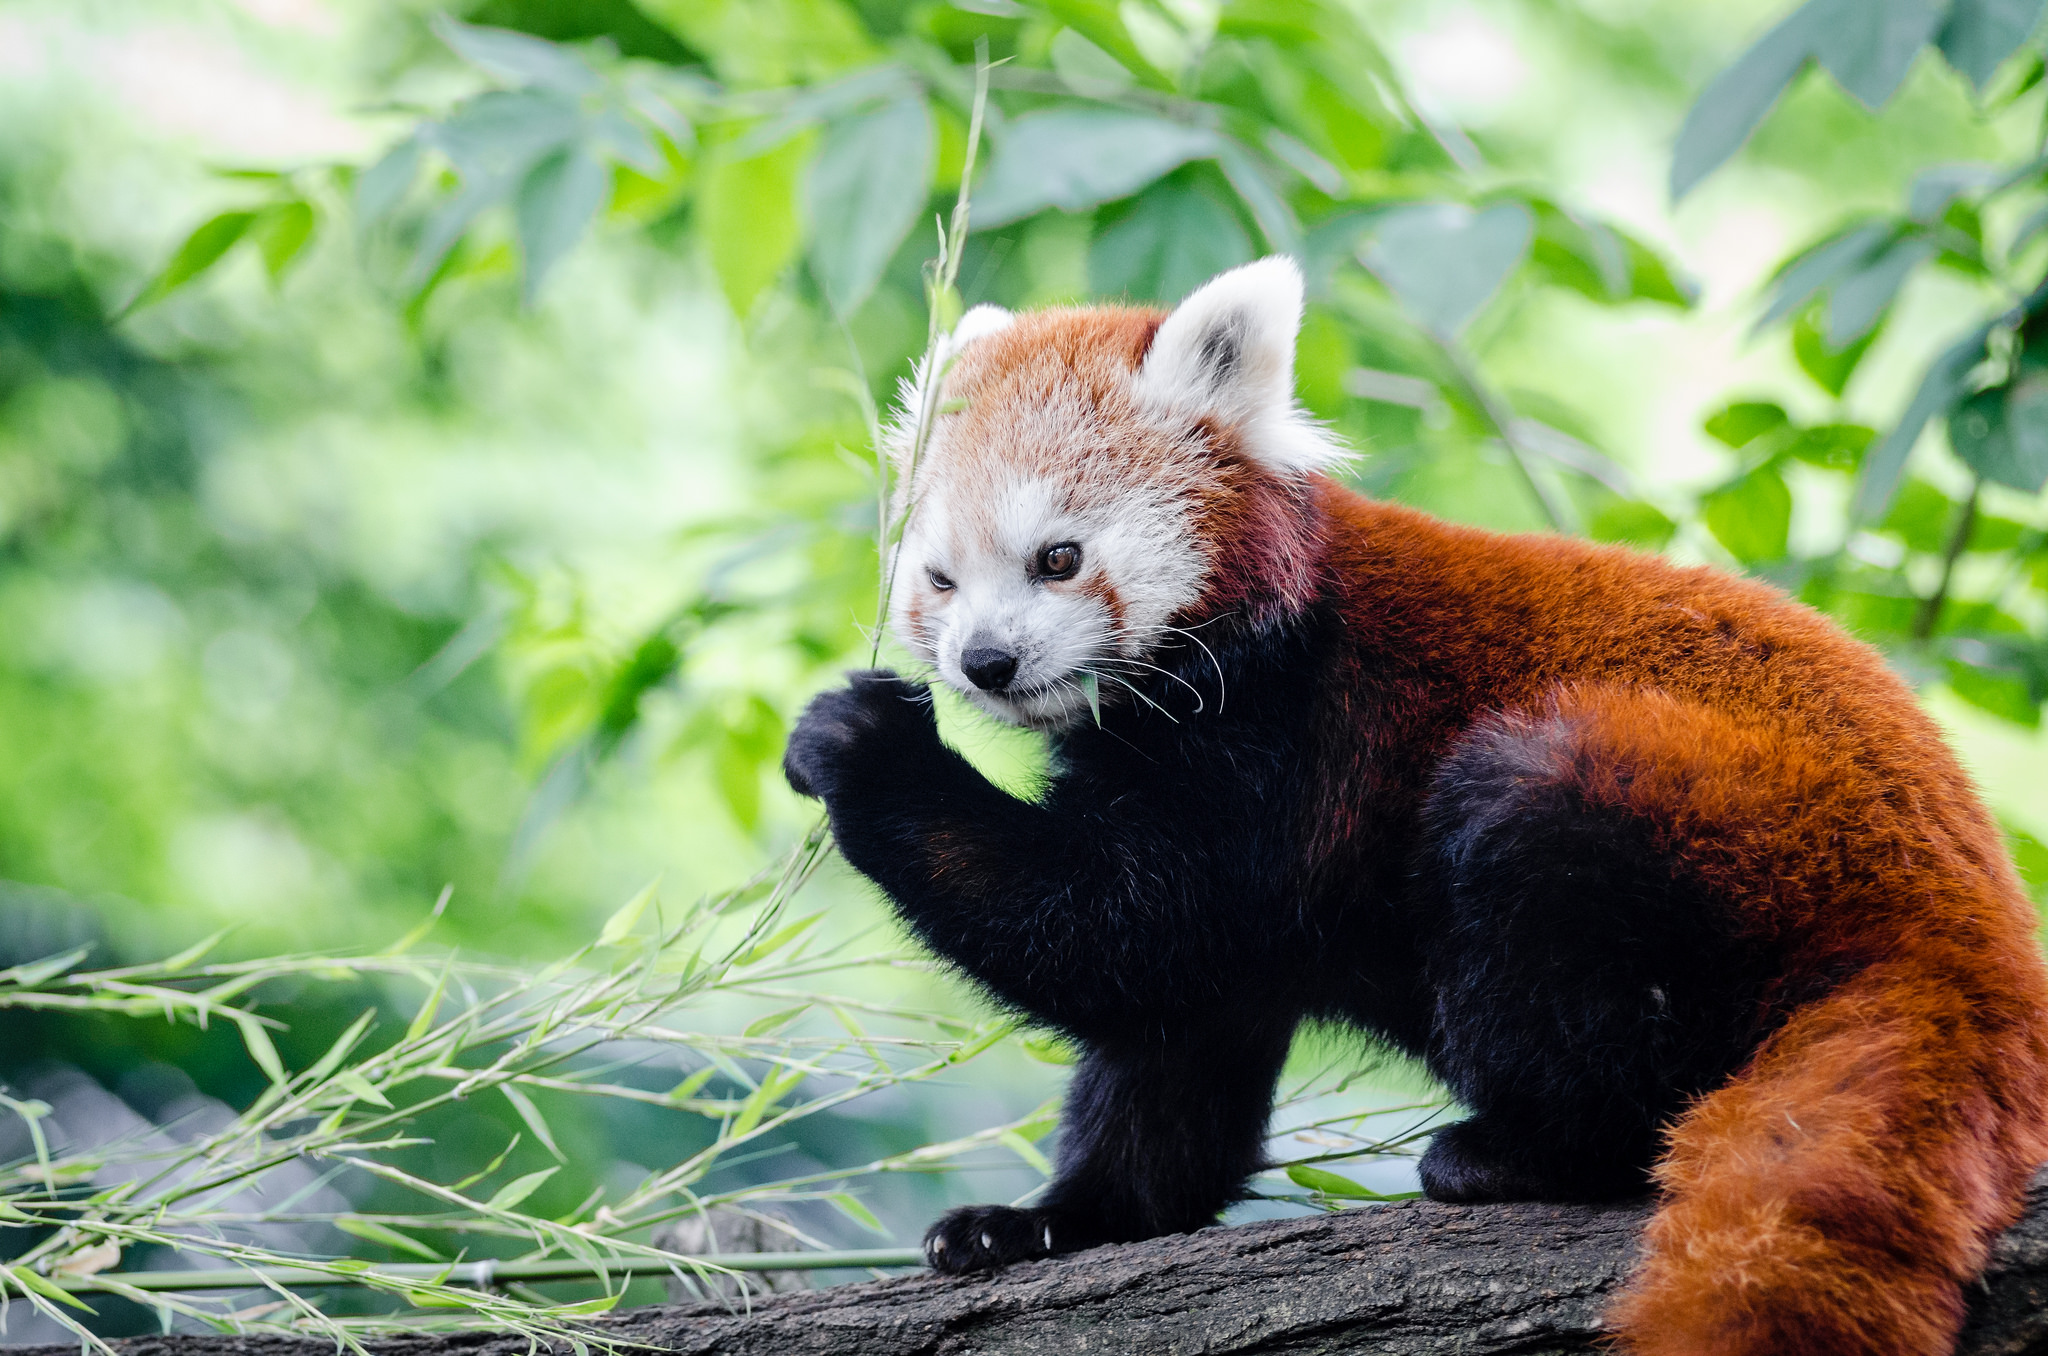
(1411, 1277)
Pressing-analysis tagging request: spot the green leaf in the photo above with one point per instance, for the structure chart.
(1738, 99)
(867, 187)
(1171, 240)
(1886, 462)
(1751, 516)
(620, 925)
(1868, 45)
(27, 1279)
(1920, 517)
(1981, 34)
(343, 1043)
(518, 1189)
(775, 1021)
(850, 1206)
(691, 1086)
(201, 251)
(556, 202)
(280, 233)
(1091, 688)
(2004, 695)
(2002, 433)
(1821, 265)
(1329, 1183)
(2030, 855)
(260, 1048)
(1047, 1048)
(374, 1232)
(423, 1020)
(1078, 158)
(746, 216)
(361, 1088)
(1834, 447)
(1830, 368)
(517, 57)
(762, 1099)
(1743, 422)
(1857, 301)
(1026, 1150)
(42, 971)
(535, 1122)
(381, 187)
(1444, 261)
(190, 955)
(780, 938)
(1632, 522)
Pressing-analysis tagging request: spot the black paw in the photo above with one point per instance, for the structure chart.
(1477, 1160)
(1461, 1166)
(983, 1237)
(875, 713)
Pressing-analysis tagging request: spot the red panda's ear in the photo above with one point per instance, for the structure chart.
(1227, 353)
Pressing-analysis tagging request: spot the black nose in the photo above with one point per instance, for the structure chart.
(988, 668)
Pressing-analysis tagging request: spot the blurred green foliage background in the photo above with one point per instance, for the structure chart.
(434, 439)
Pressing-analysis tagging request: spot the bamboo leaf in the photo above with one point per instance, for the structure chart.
(775, 1021)
(777, 940)
(361, 1088)
(850, 1206)
(372, 1231)
(201, 251)
(37, 972)
(260, 1049)
(518, 1189)
(621, 924)
(530, 1113)
(27, 1279)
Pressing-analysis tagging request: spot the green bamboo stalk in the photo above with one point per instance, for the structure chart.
(487, 1274)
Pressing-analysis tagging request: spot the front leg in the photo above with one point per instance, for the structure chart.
(1060, 913)
(1158, 1135)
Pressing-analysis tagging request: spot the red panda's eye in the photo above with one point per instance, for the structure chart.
(939, 581)
(1059, 562)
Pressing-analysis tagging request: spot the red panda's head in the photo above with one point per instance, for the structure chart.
(1093, 479)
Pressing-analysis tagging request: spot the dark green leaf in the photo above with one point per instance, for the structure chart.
(1444, 260)
(1739, 98)
(1743, 422)
(1981, 34)
(1822, 265)
(1077, 158)
(2002, 433)
(556, 202)
(503, 133)
(1830, 368)
(280, 233)
(1868, 45)
(1938, 390)
(202, 250)
(1173, 239)
(1275, 218)
(868, 186)
(1751, 516)
(1859, 299)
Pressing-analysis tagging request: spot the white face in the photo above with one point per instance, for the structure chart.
(1021, 592)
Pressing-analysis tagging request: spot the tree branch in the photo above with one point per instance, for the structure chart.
(1406, 1279)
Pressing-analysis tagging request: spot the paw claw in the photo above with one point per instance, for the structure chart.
(983, 1237)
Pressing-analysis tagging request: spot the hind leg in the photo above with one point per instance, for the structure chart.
(1587, 984)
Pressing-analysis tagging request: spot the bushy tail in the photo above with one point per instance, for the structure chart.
(1837, 1196)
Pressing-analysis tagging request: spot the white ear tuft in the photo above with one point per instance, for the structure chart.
(1228, 352)
(979, 323)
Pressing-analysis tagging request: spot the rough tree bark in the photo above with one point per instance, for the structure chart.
(1409, 1279)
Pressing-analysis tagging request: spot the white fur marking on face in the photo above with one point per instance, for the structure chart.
(924, 380)
(1227, 352)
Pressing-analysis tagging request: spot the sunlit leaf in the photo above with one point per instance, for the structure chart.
(1077, 158)
(27, 1279)
(518, 1189)
(373, 1231)
(1631, 521)
(1829, 367)
(850, 1206)
(867, 187)
(1751, 516)
(778, 939)
(626, 917)
(201, 251)
(748, 221)
(1743, 422)
(280, 233)
(1329, 1183)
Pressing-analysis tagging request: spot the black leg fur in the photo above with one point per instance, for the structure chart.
(1155, 1139)
(1585, 990)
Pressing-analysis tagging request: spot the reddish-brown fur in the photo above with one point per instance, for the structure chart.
(1836, 1195)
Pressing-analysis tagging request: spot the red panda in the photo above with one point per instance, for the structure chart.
(1667, 878)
